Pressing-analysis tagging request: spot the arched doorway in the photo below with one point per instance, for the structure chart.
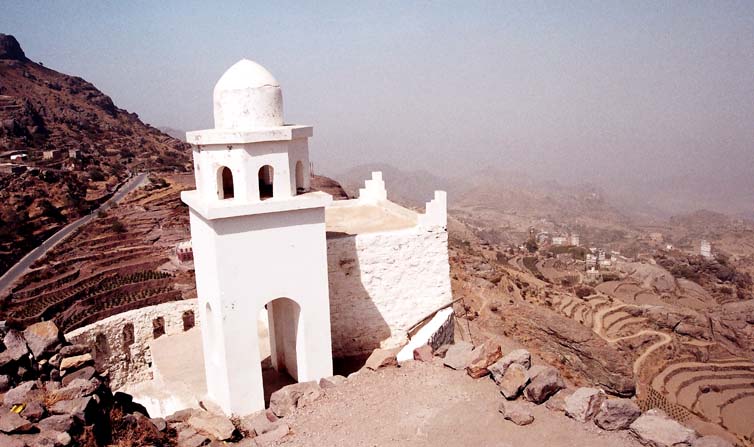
(225, 188)
(300, 177)
(279, 322)
(266, 180)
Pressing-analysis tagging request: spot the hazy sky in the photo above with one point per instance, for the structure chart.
(625, 92)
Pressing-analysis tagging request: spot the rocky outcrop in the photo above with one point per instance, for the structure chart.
(10, 48)
(587, 354)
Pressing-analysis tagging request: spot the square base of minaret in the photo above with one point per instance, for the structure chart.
(252, 256)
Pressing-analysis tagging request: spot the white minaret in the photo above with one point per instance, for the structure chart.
(258, 238)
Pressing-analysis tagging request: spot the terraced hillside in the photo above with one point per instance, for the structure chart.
(123, 260)
(687, 352)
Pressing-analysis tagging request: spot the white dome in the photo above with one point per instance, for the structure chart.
(247, 96)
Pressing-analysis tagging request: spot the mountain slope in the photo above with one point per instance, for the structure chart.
(45, 115)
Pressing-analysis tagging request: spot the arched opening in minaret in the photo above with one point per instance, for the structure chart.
(224, 183)
(279, 329)
(266, 179)
(300, 177)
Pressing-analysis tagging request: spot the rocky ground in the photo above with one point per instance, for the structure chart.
(667, 339)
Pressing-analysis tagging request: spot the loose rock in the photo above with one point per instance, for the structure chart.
(617, 414)
(285, 400)
(482, 357)
(516, 413)
(519, 356)
(11, 422)
(514, 381)
(42, 338)
(381, 358)
(459, 355)
(219, 427)
(76, 361)
(656, 429)
(543, 385)
(584, 403)
(557, 401)
(423, 353)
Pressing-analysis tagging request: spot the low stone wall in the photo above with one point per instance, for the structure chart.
(121, 342)
(382, 284)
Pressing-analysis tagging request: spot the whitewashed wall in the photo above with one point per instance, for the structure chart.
(381, 284)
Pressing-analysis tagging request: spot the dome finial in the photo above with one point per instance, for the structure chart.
(247, 96)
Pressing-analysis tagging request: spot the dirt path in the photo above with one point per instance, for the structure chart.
(423, 404)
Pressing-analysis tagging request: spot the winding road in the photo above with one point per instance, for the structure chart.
(21, 266)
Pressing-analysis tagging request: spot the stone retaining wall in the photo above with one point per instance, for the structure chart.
(121, 342)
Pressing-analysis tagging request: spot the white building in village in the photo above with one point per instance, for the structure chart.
(334, 277)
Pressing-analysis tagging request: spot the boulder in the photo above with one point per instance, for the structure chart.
(543, 385)
(711, 441)
(75, 362)
(482, 357)
(11, 441)
(655, 429)
(82, 408)
(42, 338)
(214, 425)
(73, 350)
(15, 345)
(518, 356)
(381, 358)
(180, 415)
(557, 401)
(516, 413)
(459, 355)
(83, 373)
(33, 410)
(76, 389)
(584, 403)
(19, 394)
(285, 400)
(60, 423)
(423, 354)
(11, 422)
(513, 382)
(617, 414)
(332, 381)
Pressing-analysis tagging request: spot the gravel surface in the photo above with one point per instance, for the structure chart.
(422, 404)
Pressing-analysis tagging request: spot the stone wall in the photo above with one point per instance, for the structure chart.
(382, 284)
(121, 342)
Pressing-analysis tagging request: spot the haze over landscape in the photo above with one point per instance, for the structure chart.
(650, 102)
(390, 224)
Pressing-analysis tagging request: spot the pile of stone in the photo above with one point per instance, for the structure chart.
(208, 426)
(52, 395)
(523, 385)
